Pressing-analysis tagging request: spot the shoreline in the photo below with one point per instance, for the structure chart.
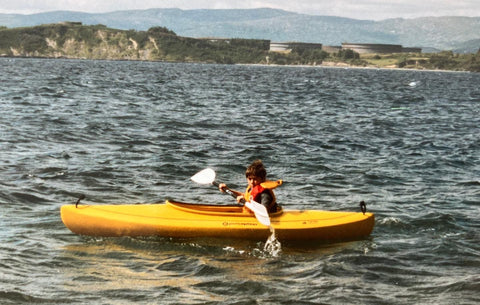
(329, 65)
(347, 66)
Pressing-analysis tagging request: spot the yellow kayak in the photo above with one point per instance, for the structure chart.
(185, 220)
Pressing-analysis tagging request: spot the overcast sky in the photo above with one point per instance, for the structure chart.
(358, 9)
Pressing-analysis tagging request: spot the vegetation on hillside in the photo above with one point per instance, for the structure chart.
(446, 60)
(74, 40)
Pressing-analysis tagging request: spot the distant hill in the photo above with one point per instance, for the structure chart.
(443, 33)
(470, 46)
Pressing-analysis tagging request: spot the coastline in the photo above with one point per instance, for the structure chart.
(326, 65)
(348, 66)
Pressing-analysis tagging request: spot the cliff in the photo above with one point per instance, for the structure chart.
(74, 40)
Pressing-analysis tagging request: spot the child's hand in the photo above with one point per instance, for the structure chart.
(222, 187)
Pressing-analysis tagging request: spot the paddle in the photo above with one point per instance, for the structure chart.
(207, 176)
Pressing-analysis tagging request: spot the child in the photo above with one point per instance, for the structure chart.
(258, 189)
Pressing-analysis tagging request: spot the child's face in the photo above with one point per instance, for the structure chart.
(253, 181)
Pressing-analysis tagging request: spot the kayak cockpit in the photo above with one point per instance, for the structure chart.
(211, 209)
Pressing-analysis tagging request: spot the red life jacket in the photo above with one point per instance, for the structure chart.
(255, 192)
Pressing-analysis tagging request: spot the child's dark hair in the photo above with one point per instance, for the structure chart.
(256, 169)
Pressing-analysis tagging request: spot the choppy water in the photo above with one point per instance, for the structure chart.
(406, 142)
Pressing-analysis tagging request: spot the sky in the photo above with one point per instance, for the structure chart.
(357, 9)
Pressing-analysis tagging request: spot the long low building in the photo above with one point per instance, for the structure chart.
(363, 48)
(289, 46)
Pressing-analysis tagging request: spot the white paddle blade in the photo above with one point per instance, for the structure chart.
(260, 212)
(206, 176)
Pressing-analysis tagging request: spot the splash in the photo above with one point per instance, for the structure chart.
(272, 246)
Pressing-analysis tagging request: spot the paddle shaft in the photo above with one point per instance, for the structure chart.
(228, 191)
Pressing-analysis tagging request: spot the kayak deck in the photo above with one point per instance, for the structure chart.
(176, 219)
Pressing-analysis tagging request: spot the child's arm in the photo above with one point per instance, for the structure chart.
(223, 188)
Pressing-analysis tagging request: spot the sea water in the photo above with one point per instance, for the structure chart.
(135, 132)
